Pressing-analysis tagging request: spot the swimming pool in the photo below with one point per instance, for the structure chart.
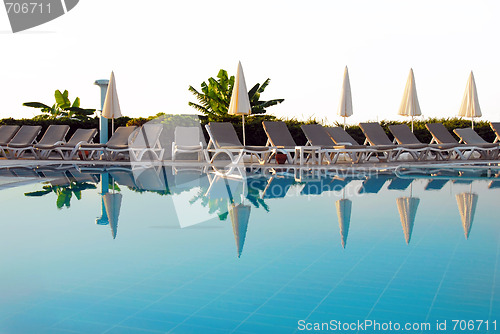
(96, 249)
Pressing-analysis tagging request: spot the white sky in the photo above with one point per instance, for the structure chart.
(157, 48)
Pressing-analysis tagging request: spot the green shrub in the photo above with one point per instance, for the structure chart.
(255, 134)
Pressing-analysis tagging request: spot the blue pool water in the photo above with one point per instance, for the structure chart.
(179, 251)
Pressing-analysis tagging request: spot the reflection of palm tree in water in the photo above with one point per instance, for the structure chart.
(64, 192)
(220, 204)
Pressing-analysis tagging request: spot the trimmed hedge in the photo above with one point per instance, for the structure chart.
(255, 134)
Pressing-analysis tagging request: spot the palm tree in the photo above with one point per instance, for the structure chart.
(63, 108)
(215, 97)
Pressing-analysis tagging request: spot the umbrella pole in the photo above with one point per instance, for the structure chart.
(472, 122)
(344, 123)
(112, 125)
(244, 142)
(412, 123)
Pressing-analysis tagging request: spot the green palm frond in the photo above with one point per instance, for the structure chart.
(215, 97)
(264, 85)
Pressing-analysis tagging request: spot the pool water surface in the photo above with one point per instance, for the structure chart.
(166, 250)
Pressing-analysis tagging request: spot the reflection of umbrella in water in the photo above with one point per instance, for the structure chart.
(103, 219)
(112, 203)
(467, 206)
(344, 214)
(407, 207)
(239, 215)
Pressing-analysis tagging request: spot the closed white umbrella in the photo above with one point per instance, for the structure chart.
(470, 103)
(111, 108)
(240, 103)
(345, 105)
(409, 105)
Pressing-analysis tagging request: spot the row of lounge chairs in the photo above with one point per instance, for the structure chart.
(330, 143)
(324, 144)
(127, 141)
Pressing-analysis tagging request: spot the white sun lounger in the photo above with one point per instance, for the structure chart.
(223, 139)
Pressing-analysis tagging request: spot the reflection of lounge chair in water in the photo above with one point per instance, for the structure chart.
(461, 181)
(399, 184)
(316, 187)
(436, 184)
(373, 184)
(123, 178)
(188, 178)
(24, 172)
(56, 177)
(494, 184)
(225, 188)
(277, 186)
(77, 176)
(150, 178)
(338, 184)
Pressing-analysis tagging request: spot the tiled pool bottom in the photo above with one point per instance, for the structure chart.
(62, 273)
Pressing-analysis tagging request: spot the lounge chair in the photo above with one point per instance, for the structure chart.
(470, 137)
(6, 134)
(441, 135)
(223, 139)
(22, 141)
(404, 136)
(54, 135)
(317, 136)
(341, 137)
(69, 150)
(187, 139)
(117, 144)
(147, 140)
(375, 135)
(496, 128)
(280, 137)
